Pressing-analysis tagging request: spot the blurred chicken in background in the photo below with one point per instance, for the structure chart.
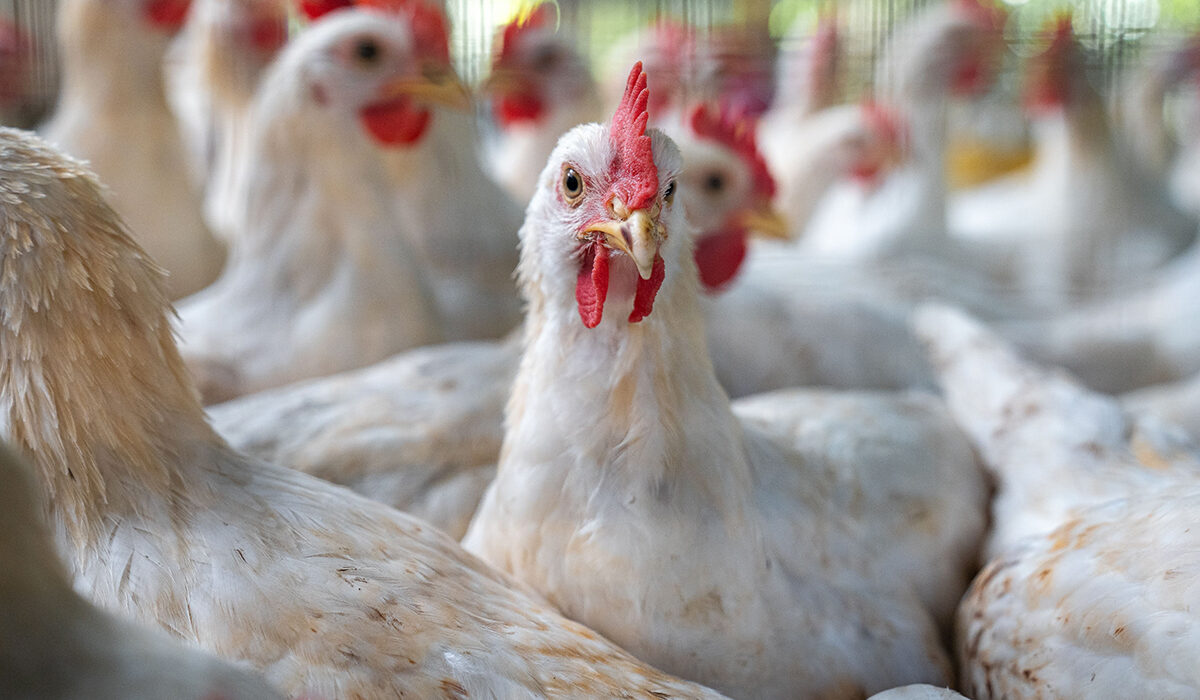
(112, 111)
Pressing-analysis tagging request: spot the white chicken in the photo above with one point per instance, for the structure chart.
(321, 277)
(540, 86)
(461, 224)
(54, 645)
(113, 111)
(213, 71)
(422, 431)
(1087, 219)
(833, 332)
(628, 493)
(1095, 539)
(160, 520)
(1051, 445)
(949, 51)
(1145, 336)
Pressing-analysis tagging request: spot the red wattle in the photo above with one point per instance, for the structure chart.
(168, 15)
(643, 300)
(591, 287)
(718, 257)
(517, 108)
(396, 122)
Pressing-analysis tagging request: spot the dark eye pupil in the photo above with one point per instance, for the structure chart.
(670, 190)
(714, 183)
(571, 182)
(367, 50)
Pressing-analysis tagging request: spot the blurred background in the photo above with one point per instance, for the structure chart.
(1117, 30)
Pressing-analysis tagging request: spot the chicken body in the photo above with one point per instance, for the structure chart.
(54, 645)
(321, 277)
(626, 483)
(161, 520)
(1051, 445)
(420, 431)
(113, 112)
(1093, 537)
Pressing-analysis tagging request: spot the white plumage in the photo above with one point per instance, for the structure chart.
(54, 645)
(321, 276)
(629, 494)
(326, 592)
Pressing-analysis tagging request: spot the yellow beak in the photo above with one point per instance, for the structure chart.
(636, 235)
(502, 81)
(766, 222)
(435, 85)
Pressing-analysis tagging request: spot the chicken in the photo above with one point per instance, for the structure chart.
(1088, 589)
(462, 225)
(845, 146)
(54, 645)
(540, 86)
(1100, 607)
(1052, 446)
(321, 277)
(113, 112)
(949, 51)
(1087, 219)
(420, 431)
(625, 482)
(830, 333)
(213, 71)
(160, 520)
(1144, 336)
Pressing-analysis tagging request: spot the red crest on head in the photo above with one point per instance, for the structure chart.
(735, 131)
(633, 166)
(313, 9)
(513, 31)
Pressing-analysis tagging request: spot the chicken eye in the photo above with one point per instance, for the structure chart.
(572, 185)
(367, 51)
(669, 194)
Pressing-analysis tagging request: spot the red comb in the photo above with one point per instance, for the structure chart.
(634, 171)
(514, 30)
(736, 132)
(168, 15)
(314, 9)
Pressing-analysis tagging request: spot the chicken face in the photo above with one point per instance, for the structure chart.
(604, 213)
(534, 70)
(728, 192)
(375, 64)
